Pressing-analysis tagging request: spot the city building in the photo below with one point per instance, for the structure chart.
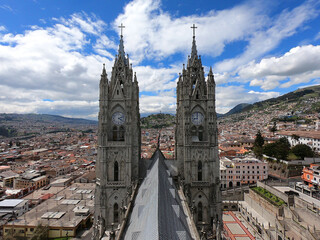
(17, 207)
(65, 214)
(239, 171)
(311, 175)
(310, 138)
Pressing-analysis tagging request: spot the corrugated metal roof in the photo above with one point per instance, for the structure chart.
(157, 213)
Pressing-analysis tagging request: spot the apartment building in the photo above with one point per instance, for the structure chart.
(240, 171)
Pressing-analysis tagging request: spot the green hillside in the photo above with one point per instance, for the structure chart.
(159, 120)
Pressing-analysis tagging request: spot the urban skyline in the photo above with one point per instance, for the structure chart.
(52, 53)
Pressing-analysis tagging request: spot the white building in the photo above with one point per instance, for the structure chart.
(310, 138)
(17, 206)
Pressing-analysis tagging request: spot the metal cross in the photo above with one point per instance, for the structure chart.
(121, 27)
(194, 29)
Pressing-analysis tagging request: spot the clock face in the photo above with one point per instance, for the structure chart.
(196, 118)
(118, 118)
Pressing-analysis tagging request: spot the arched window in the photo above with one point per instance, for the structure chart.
(193, 131)
(121, 133)
(199, 171)
(116, 171)
(115, 133)
(200, 133)
(115, 213)
(200, 213)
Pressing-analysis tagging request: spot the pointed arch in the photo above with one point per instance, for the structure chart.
(199, 171)
(200, 212)
(193, 131)
(116, 171)
(115, 213)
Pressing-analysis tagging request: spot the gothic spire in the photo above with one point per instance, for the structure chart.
(104, 73)
(194, 46)
(121, 46)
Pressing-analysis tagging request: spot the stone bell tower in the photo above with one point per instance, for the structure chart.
(119, 140)
(197, 142)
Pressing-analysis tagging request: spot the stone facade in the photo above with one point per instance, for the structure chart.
(119, 141)
(197, 142)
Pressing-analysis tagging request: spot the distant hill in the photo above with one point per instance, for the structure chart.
(159, 120)
(237, 109)
(305, 100)
(301, 97)
(44, 118)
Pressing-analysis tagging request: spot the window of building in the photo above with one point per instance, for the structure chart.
(200, 213)
(200, 133)
(115, 213)
(121, 133)
(114, 133)
(116, 171)
(199, 171)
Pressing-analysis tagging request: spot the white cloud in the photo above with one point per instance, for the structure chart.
(266, 39)
(156, 79)
(229, 97)
(164, 102)
(46, 63)
(2, 28)
(152, 33)
(299, 65)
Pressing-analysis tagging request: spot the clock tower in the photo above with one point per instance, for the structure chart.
(197, 142)
(118, 142)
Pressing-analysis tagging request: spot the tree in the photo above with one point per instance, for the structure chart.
(302, 151)
(258, 145)
(273, 129)
(279, 149)
(259, 140)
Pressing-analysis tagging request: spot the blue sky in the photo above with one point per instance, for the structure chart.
(51, 52)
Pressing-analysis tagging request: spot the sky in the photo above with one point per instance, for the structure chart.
(52, 51)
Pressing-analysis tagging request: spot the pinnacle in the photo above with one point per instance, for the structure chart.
(121, 48)
(194, 52)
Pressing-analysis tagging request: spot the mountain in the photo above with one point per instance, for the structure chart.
(304, 100)
(237, 109)
(43, 118)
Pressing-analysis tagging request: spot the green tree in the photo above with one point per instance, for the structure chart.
(279, 149)
(302, 151)
(258, 145)
(273, 129)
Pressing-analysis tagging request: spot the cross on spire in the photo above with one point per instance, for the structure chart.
(194, 29)
(121, 27)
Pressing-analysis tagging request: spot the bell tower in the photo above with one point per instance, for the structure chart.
(119, 142)
(197, 142)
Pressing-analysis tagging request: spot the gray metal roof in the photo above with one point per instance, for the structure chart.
(157, 213)
(11, 202)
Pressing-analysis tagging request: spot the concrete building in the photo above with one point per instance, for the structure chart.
(65, 214)
(240, 171)
(310, 138)
(26, 181)
(14, 206)
(311, 175)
